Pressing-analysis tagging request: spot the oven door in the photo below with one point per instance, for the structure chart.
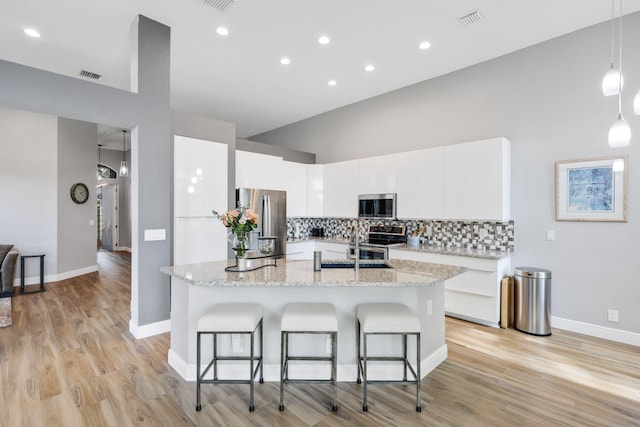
(368, 252)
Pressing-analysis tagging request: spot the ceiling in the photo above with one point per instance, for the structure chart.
(239, 78)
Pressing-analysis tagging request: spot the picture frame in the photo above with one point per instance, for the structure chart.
(592, 189)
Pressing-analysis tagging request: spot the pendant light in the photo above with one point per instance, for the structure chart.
(620, 132)
(612, 81)
(124, 170)
(98, 176)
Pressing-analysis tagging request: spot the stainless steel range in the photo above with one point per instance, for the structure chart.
(377, 244)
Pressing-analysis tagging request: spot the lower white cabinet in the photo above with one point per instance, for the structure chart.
(475, 294)
(332, 250)
(300, 250)
(305, 249)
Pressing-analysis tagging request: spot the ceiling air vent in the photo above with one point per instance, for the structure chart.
(470, 18)
(90, 75)
(221, 5)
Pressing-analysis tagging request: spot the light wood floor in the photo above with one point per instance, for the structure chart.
(69, 360)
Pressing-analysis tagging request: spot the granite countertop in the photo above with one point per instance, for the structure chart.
(442, 250)
(299, 273)
(320, 239)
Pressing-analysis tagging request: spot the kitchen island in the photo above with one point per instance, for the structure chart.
(197, 287)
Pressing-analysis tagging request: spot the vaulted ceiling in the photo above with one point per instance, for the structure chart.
(239, 77)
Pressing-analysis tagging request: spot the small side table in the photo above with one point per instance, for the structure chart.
(33, 255)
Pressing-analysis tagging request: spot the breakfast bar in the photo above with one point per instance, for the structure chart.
(197, 287)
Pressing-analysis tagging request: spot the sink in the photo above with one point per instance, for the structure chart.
(351, 264)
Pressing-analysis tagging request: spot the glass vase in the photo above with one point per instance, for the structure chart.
(240, 244)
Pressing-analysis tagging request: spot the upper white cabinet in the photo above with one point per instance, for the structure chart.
(377, 175)
(420, 183)
(340, 194)
(315, 186)
(477, 180)
(200, 177)
(254, 170)
(294, 180)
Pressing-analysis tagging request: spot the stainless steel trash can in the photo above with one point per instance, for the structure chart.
(532, 300)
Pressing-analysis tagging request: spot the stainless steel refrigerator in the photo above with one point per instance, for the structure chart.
(271, 207)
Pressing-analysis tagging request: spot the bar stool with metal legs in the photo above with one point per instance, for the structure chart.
(232, 318)
(308, 318)
(387, 319)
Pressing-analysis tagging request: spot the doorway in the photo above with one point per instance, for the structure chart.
(108, 217)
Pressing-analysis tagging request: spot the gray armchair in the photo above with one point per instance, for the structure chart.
(8, 260)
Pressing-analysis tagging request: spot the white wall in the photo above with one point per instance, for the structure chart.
(28, 186)
(77, 158)
(547, 100)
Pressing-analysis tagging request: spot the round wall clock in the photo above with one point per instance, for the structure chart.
(79, 193)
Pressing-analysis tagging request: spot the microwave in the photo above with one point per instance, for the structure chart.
(377, 206)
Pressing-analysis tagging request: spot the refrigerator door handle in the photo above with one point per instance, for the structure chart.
(266, 215)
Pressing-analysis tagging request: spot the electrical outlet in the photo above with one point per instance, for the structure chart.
(551, 235)
(429, 307)
(612, 315)
(327, 345)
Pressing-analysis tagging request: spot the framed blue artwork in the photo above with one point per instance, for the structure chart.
(592, 189)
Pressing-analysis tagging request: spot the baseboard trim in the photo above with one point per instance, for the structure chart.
(35, 280)
(597, 331)
(346, 373)
(149, 330)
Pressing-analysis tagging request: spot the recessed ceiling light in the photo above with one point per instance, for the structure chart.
(31, 32)
(424, 45)
(332, 83)
(324, 40)
(285, 61)
(369, 67)
(223, 31)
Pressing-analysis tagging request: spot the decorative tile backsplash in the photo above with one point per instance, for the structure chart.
(490, 235)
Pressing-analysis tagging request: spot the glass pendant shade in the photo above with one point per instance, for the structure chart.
(98, 176)
(124, 170)
(612, 82)
(636, 103)
(620, 133)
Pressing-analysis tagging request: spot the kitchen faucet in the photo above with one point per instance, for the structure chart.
(356, 238)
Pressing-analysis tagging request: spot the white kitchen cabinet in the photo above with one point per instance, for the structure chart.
(294, 181)
(199, 240)
(200, 185)
(473, 295)
(377, 174)
(200, 176)
(332, 250)
(254, 170)
(477, 180)
(305, 249)
(300, 250)
(340, 193)
(413, 255)
(420, 183)
(315, 186)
